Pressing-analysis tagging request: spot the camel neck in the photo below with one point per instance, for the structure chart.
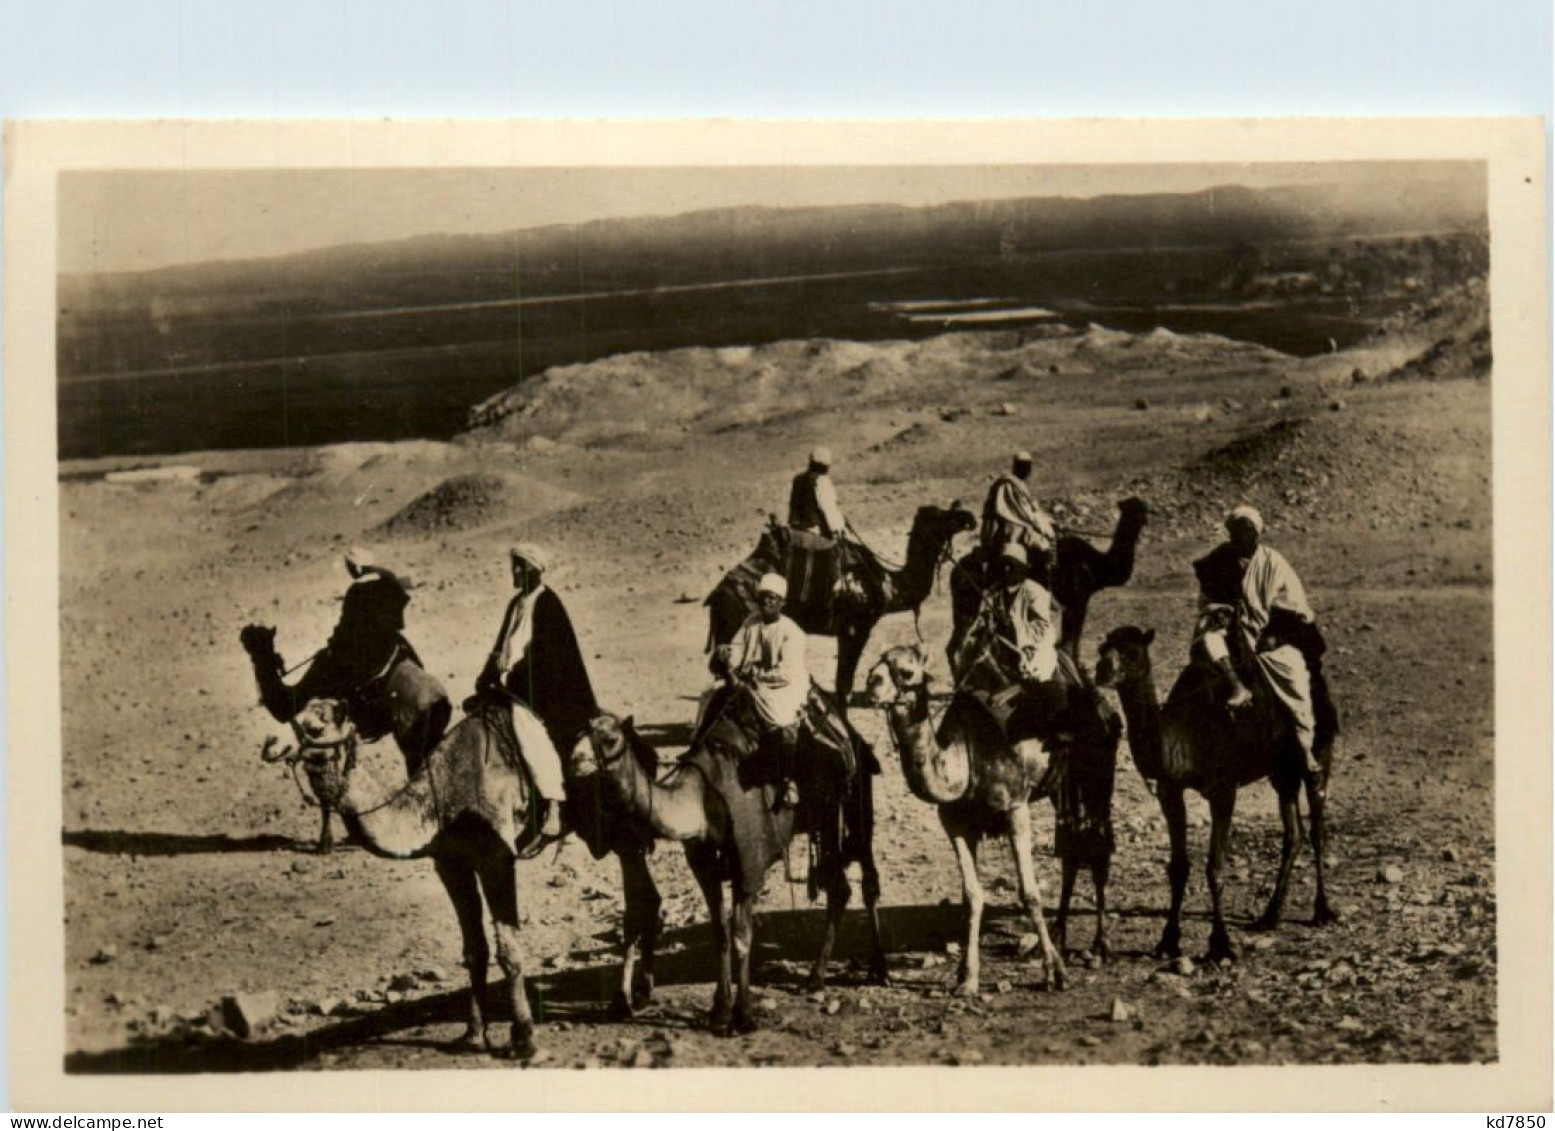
(908, 586)
(674, 810)
(397, 823)
(1141, 705)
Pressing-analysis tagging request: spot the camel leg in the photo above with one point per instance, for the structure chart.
(639, 933)
(965, 844)
(1053, 972)
(1101, 868)
(1071, 869)
(463, 891)
(879, 974)
(851, 639)
(326, 841)
(499, 880)
(744, 1019)
(1322, 913)
(838, 892)
(705, 866)
(1221, 807)
(1270, 918)
(1176, 814)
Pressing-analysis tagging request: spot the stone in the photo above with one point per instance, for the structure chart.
(1003, 986)
(843, 1048)
(1029, 944)
(1391, 874)
(1451, 855)
(1141, 404)
(327, 1006)
(431, 974)
(1121, 1010)
(1183, 965)
(105, 954)
(244, 1014)
(403, 982)
(1336, 405)
(302, 867)
(833, 1007)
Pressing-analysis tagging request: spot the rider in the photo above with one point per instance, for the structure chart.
(1017, 630)
(537, 665)
(768, 658)
(365, 645)
(1252, 587)
(813, 509)
(1011, 515)
(812, 499)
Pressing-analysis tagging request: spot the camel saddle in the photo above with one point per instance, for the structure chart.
(816, 569)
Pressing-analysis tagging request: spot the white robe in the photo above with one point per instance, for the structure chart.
(772, 657)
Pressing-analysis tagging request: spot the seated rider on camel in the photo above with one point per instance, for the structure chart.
(767, 658)
(365, 646)
(813, 509)
(1012, 516)
(1016, 639)
(537, 667)
(1254, 615)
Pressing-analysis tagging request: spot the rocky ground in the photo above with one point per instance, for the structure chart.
(187, 872)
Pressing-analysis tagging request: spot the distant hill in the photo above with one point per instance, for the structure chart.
(734, 243)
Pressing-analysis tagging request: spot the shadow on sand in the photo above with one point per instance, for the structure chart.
(786, 942)
(119, 843)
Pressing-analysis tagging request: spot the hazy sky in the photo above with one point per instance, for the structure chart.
(125, 221)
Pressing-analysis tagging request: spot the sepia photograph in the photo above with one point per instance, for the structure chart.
(759, 613)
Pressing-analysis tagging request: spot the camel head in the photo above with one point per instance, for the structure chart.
(258, 640)
(946, 524)
(1124, 657)
(326, 748)
(1134, 510)
(900, 672)
(602, 744)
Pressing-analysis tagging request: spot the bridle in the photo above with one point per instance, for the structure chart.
(316, 750)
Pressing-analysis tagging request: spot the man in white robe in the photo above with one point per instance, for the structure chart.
(768, 658)
(1268, 600)
(1011, 515)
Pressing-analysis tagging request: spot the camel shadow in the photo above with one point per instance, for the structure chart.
(119, 843)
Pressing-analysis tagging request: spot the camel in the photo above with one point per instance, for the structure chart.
(981, 784)
(472, 809)
(730, 833)
(851, 621)
(1195, 742)
(1080, 571)
(417, 721)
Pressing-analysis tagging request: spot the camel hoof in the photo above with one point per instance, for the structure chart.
(1264, 922)
(743, 1022)
(967, 987)
(1168, 948)
(816, 981)
(1102, 952)
(471, 1040)
(621, 1007)
(1220, 953)
(720, 1021)
(1323, 915)
(642, 996)
(523, 1049)
(878, 974)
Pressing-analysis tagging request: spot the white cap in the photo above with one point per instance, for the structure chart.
(821, 456)
(1015, 552)
(772, 583)
(530, 553)
(1023, 457)
(358, 560)
(1245, 513)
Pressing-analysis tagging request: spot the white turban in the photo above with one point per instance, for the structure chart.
(772, 583)
(821, 457)
(1015, 552)
(359, 560)
(1022, 457)
(529, 552)
(1247, 514)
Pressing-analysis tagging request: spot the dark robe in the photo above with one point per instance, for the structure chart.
(551, 678)
(804, 508)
